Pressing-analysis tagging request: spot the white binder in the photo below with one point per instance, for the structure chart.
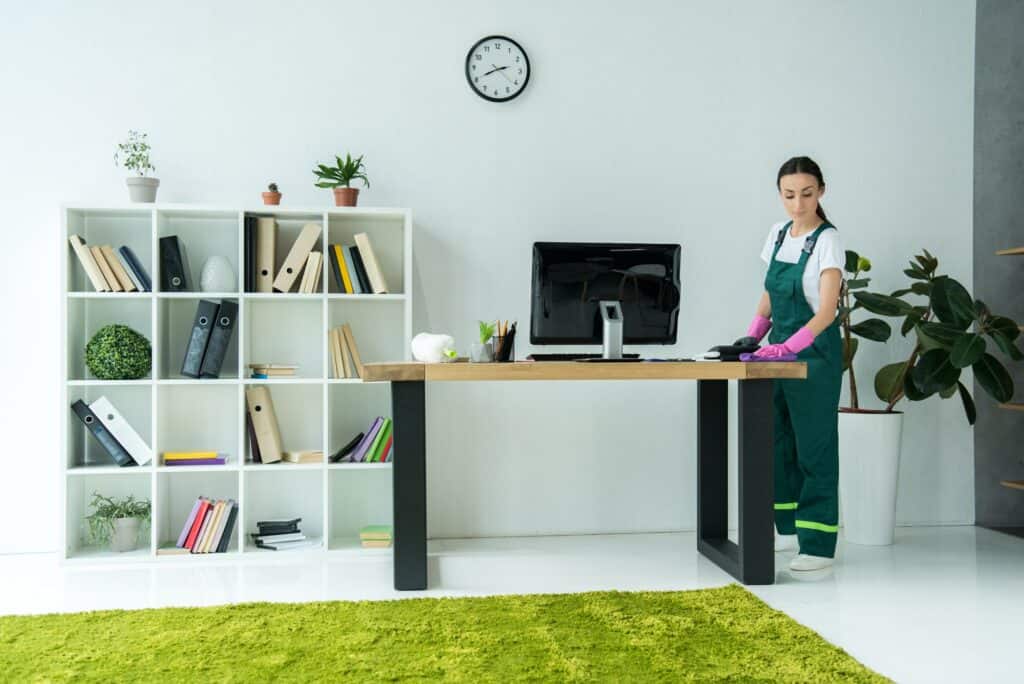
(122, 430)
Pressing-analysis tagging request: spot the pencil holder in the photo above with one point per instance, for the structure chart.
(504, 347)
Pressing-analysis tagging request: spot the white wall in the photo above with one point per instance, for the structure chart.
(659, 121)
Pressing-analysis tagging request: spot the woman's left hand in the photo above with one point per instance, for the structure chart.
(772, 351)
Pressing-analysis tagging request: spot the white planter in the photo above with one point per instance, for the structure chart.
(142, 189)
(481, 353)
(869, 462)
(126, 535)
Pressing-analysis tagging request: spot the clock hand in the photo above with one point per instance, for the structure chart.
(498, 68)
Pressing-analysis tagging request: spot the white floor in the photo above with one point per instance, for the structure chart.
(944, 604)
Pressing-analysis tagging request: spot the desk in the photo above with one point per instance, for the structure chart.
(751, 561)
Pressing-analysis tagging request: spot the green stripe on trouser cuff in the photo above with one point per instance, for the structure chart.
(791, 506)
(821, 527)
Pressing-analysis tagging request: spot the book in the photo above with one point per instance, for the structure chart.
(196, 461)
(254, 447)
(131, 272)
(385, 455)
(122, 430)
(172, 551)
(341, 254)
(378, 441)
(211, 523)
(197, 544)
(350, 345)
(197, 523)
(88, 262)
(332, 260)
(290, 546)
(218, 530)
(375, 532)
(188, 524)
(308, 456)
(359, 455)
(297, 255)
(306, 283)
(119, 271)
(108, 275)
(136, 267)
(357, 265)
(229, 528)
(373, 270)
(376, 544)
(271, 538)
(188, 455)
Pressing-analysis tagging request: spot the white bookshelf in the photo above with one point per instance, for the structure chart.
(176, 413)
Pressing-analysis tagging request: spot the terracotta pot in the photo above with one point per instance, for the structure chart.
(271, 198)
(345, 197)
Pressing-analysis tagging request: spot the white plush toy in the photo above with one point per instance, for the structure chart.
(433, 348)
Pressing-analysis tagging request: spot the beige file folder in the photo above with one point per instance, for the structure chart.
(266, 239)
(297, 256)
(264, 423)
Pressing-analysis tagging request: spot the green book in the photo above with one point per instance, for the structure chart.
(379, 441)
(381, 532)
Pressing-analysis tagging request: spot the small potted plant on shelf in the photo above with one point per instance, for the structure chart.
(950, 331)
(117, 521)
(340, 177)
(133, 154)
(117, 352)
(483, 350)
(272, 196)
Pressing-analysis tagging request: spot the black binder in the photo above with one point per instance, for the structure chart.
(173, 265)
(250, 253)
(107, 441)
(336, 269)
(136, 266)
(220, 337)
(202, 325)
(357, 263)
(254, 447)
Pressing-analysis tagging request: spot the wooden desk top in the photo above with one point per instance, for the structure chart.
(411, 371)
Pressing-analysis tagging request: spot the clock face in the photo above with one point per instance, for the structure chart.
(497, 68)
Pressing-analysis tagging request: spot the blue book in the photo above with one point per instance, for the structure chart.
(136, 266)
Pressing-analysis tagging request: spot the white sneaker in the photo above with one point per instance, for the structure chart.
(804, 562)
(785, 542)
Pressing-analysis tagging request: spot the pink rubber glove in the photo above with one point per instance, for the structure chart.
(796, 343)
(759, 327)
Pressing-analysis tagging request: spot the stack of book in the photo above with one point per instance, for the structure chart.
(208, 527)
(355, 268)
(272, 370)
(261, 254)
(187, 458)
(345, 359)
(208, 342)
(375, 536)
(307, 456)
(115, 434)
(375, 446)
(107, 272)
(281, 535)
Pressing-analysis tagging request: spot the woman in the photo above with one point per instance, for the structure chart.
(805, 268)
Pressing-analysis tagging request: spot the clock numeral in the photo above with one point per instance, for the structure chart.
(497, 46)
(479, 56)
(516, 83)
(507, 89)
(487, 48)
(474, 66)
(476, 79)
(517, 57)
(520, 69)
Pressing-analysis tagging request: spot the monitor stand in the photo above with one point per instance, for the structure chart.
(611, 317)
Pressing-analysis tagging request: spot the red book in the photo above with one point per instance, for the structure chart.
(200, 516)
(385, 453)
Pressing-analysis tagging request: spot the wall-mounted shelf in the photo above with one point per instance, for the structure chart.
(1013, 484)
(174, 413)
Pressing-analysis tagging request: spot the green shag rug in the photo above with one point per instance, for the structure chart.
(723, 634)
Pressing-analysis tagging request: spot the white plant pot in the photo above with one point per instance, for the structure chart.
(126, 534)
(142, 189)
(481, 353)
(869, 463)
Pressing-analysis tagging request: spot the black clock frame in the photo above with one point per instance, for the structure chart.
(469, 78)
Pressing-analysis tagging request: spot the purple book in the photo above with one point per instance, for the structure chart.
(360, 453)
(188, 524)
(196, 461)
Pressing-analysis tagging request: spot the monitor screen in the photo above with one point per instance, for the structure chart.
(570, 278)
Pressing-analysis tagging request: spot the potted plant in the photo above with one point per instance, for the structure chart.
(117, 352)
(133, 154)
(272, 196)
(340, 177)
(117, 521)
(950, 331)
(483, 350)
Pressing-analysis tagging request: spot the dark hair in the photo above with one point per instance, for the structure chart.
(802, 165)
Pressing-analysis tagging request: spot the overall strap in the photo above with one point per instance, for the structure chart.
(812, 240)
(780, 238)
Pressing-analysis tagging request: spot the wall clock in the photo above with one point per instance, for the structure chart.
(497, 68)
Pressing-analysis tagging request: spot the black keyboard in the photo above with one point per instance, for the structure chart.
(571, 357)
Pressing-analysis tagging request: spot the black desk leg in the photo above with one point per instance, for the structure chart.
(409, 484)
(752, 561)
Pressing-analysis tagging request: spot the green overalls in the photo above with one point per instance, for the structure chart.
(806, 413)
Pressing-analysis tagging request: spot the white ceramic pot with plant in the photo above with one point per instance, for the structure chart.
(339, 178)
(117, 521)
(483, 351)
(950, 330)
(133, 154)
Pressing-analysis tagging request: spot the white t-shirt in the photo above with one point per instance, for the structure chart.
(828, 253)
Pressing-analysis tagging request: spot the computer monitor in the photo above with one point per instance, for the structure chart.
(572, 279)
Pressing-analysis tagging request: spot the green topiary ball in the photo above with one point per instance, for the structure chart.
(116, 352)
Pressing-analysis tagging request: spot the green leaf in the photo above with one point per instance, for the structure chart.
(849, 351)
(933, 335)
(851, 261)
(933, 372)
(948, 392)
(887, 381)
(327, 184)
(968, 400)
(981, 310)
(873, 329)
(967, 349)
(993, 378)
(908, 324)
(900, 293)
(1007, 345)
(857, 283)
(915, 273)
(883, 305)
(951, 302)
(923, 289)
(910, 389)
(1006, 326)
